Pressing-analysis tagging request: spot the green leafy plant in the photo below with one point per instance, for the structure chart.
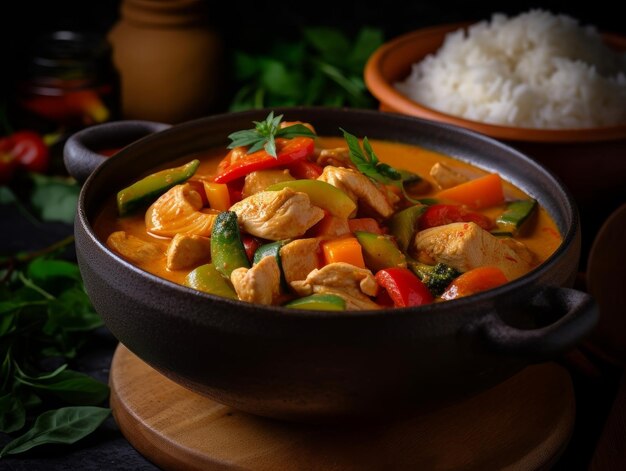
(323, 67)
(45, 318)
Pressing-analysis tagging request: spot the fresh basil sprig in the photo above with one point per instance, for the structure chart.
(66, 425)
(264, 133)
(367, 162)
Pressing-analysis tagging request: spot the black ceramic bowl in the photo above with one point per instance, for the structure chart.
(311, 366)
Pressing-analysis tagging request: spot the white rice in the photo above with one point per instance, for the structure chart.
(535, 70)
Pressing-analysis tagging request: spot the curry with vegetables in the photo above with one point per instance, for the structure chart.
(286, 217)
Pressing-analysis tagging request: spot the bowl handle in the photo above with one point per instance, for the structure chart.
(80, 153)
(546, 342)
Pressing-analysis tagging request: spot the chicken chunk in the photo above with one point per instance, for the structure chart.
(259, 284)
(351, 283)
(339, 157)
(261, 179)
(446, 177)
(179, 211)
(277, 215)
(133, 248)
(359, 188)
(465, 245)
(299, 258)
(186, 251)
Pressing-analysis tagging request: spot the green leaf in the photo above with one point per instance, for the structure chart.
(245, 66)
(351, 86)
(6, 319)
(41, 377)
(72, 311)
(54, 198)
(280, 80)
(43, 268)
(368, 163)
(33, 286)
(71, 386)
(295, 130)
(12, 413)
(5, 371)
(6, 195)
(330, 43)
(66, 425)
(366, 42)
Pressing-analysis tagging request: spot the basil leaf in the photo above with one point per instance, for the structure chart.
(243, 138)
(7, 317)
(66, 425)
(270, 146)
(332, 44)
(12, 413)
(5, 371)
(42, 377)
(278, 79)
(366, 42)
(54, 198)
(295, 130)
(72, 312)
(42, 269)
(70, 386)
(6, 195)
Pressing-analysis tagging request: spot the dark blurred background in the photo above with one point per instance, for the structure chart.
(248, 25)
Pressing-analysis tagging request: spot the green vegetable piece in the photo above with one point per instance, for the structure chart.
(207, 279)
(379, 251)
(148, 189)
(435, 277)
(227, 250)
(272, 250)
(321, 194)
(516, 213)
(319, 302)
(403, 225)
(66, 425)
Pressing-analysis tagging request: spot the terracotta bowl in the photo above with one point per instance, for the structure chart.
(591, 162)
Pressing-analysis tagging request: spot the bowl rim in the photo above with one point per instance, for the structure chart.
(393, 100)
(261, 311)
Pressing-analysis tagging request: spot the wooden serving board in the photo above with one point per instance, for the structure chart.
(522, 424)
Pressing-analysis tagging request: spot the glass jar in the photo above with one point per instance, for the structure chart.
(67, 82)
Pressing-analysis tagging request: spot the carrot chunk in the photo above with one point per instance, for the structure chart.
(474, 281)
(346, 249)
(479, 193)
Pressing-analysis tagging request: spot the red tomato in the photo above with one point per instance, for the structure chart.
(30, 151)
(442, 214)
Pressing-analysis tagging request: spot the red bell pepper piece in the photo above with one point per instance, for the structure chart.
(250, 244)
(288, 151)
(404, 288)
(442, 214)
(305, 169)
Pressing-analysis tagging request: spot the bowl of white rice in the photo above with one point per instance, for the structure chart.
(542, 82)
